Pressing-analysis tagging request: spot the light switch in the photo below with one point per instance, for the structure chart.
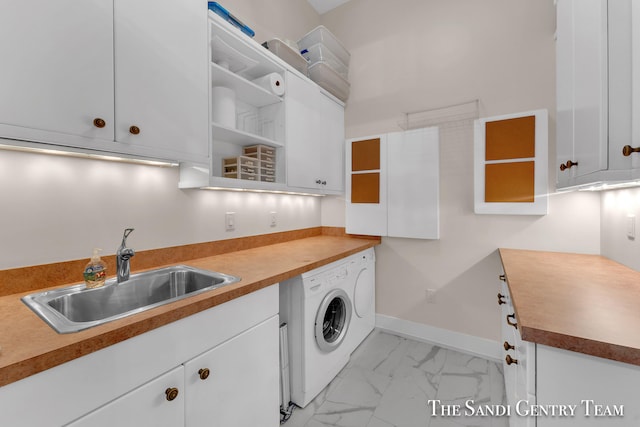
(631, 227)
(230, 221)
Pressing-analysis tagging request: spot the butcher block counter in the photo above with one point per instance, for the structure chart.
(28, 345)
(583, 303)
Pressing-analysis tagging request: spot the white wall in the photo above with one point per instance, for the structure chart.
(58, 208)
(283, 19)
(418, 55)
(616, 208)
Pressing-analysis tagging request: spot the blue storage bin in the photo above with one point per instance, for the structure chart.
(224, 13)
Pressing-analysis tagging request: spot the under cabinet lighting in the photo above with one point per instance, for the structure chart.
(603, 186)
(251, 190)
(77, 154)
(600, 186)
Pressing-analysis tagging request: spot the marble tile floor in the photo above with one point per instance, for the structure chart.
(390, 379)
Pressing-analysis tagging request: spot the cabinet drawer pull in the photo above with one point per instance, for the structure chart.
(503, 277)
(171, 393)
(99, 123)
(134, 130)
(204, 373)
(512, 316)
(510, 360)
(508, 346)
(627, 150)
(568, 165)
(500, 300)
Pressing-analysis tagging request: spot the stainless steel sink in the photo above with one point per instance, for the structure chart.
(75, 308)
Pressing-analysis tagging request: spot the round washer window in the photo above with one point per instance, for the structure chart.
(332, 320)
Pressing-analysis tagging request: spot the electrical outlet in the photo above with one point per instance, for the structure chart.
(230, 221)
(431, 295)
(273, 219)
(631, 227)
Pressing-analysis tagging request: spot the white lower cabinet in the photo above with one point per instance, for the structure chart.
(133, 383)
(548, 387)
(211, 390)
(601, 392)
(518, 364)
(158, 403)
(236, 383)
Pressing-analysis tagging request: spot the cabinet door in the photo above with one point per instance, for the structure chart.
(330, 144)
(301, 118)
(366, 185)
(582, 87)
(635, 83)
(242, 385)
(161, 77)
(315, 137)
(590, 80)
(148, 405)
(564, 90)
(413, 184)
(57, 69)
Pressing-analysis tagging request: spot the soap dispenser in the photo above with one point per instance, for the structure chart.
(95, 273)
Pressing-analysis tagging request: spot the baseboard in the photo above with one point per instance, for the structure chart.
(477, 346)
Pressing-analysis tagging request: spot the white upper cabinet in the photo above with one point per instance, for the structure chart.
(121, 77)
(161, 78)
(296, 125)
(315, 137)
(596, 73)
(392, 185)
(57, 70)
(581, 52)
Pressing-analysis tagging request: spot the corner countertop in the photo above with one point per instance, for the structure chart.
(584, 303)
(28, 345)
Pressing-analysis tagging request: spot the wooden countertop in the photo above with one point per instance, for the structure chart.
(584, 303)
(28, 345)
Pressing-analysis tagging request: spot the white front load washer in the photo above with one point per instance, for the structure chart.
(324, 324)
(362, 286)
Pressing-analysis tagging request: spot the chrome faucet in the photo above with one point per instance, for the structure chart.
(123, 254)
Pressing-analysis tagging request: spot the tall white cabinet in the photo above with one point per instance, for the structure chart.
(111, 75)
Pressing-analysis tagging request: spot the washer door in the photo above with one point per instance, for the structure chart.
(364, 292)
(332, 320)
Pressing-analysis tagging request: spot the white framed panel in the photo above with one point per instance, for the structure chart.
(367, 218)
(540, 160)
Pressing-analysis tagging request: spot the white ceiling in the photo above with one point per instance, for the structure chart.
(323, 6)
